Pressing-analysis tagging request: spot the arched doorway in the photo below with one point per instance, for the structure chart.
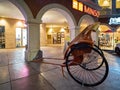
(85, 21)
(58, 25)
(59, 18)
(54, 30)
(10, 39)
(12, 19)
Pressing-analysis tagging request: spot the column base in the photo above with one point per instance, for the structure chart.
(33, 55)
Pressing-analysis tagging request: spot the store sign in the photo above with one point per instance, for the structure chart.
(83, 8)
(114, 21)
(91, 11)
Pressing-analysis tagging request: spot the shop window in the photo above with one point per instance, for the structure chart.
(58, 38)
(2, 36)
(105, 3)
(118, 4)
(75, 4)
(24, 37)
(21, 37)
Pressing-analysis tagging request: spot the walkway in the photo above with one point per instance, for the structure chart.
(17, 74)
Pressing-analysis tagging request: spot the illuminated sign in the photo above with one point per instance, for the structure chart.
(114, 21)
(83, 8)
(91, 11)
(75, 4)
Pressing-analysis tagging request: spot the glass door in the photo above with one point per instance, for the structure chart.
(18, 37)
(21, 37)
(24, 37)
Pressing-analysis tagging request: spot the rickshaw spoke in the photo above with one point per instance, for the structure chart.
(92, 71)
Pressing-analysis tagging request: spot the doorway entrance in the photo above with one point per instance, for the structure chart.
(21, 37)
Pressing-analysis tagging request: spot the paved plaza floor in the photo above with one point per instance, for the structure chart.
(17, 74)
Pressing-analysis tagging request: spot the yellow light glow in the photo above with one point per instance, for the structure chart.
(19, 24)
(75, 4)
(118, 4)
(2, 22)
(62, 30)
(106, 3)
(50, 31)
(84, 8)
(80, 6)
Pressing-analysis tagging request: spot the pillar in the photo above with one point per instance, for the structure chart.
(113, 6)
(74, 31)
(33, 40)
(43, 34)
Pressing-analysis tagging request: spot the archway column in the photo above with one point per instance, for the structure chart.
(33, 40)
(74, 31)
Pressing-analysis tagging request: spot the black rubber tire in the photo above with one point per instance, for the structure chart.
(117, 50)
(88, 76)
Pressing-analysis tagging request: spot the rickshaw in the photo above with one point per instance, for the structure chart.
(85, 61)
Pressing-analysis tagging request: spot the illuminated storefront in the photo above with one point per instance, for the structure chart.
(109, 17)
(109, 33)
(106, 37)
(55, 34)
(13, 33)
(33, 12)
(108, 3)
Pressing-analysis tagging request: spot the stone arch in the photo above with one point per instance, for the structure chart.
(32, 24)
(21, 5)
(63, 10)
(85, 19)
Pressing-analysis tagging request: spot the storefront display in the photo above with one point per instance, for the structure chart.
(58, 38)
(107, 40)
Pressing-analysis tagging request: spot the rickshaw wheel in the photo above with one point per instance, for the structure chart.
(93, 69)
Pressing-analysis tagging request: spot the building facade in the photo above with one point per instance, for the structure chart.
(77, 15)
(110, 19)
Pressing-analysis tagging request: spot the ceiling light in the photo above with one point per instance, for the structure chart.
(19, 24)
(2, 22)
(106, 3)
(62, 30)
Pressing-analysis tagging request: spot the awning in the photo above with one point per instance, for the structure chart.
(108, 31)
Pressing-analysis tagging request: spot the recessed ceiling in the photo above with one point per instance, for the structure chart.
(9, 10)
(53, 16)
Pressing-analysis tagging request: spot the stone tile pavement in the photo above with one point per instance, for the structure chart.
(17, 74)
